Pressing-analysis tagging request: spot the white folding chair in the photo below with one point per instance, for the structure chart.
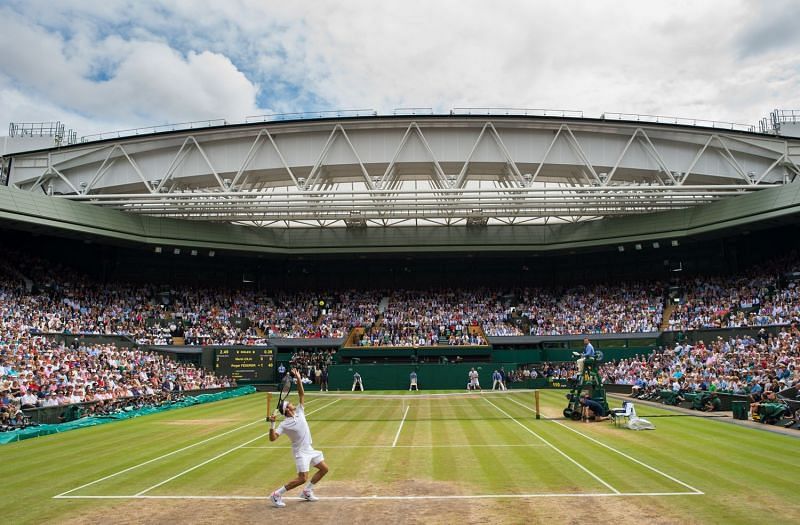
(623, 413)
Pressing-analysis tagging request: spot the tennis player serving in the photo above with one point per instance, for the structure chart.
(295, 426)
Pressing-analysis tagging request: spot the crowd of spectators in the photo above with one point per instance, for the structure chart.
(426, 318)
(737, 365)
(62, 300)
(312, 364)
(597, 309)
(546, 370)
(759, 297)
(37, 371)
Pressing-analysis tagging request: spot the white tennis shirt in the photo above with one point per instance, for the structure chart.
(296, 428)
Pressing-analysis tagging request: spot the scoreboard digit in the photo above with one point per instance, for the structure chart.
(246, 364)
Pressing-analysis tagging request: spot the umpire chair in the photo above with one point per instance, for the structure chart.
(589, 381)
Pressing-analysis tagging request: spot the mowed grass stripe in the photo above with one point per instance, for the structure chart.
(121, 446)
(79, 446)
(713, 456)
(498, 471)
(142, 475)
(74, 458)
(566, 456)
(624, 473)
(743, 472)
(254, 469)
(753, 445)
(355, 423)
(200, 467)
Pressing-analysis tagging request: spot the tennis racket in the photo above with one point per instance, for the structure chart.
(285, 387)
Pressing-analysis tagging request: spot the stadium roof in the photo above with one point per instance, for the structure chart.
(460, 169)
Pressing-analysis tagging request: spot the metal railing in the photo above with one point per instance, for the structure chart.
(776, 116)
(412, 111)
(663, 119)
(772, 122)
(525, 112)
(56, 130)
(311, 115)
(180, 126)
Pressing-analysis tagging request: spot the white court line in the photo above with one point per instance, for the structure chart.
(590, 438)
(397, 436)
(326, 447)
(165, 455)
(595, 476)
(206, 462)
(424, 497)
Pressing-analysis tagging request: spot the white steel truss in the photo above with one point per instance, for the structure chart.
(435, 173)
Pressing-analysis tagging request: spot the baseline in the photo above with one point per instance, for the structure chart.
(164, 456)
(206, 462)
(412, 497)
(326, 447)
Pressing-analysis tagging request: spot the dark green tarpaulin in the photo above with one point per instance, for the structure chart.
(43, 430)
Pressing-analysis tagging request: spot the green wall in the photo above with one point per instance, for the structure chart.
(535, 355)
(395, 377)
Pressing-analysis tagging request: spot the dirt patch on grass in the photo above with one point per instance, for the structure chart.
(568, 510)
(617, 511)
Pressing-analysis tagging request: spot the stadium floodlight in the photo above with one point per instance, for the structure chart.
(194, 252)
(675, 242)
(656, 245)
(638, 246)
(621, 248)
(211, 253)
(177, 251)
(158, 249)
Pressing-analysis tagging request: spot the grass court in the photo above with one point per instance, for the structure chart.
(447, 457)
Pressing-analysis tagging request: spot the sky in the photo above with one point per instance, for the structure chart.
(107, 65)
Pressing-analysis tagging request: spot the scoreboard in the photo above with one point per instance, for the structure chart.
(246, 363)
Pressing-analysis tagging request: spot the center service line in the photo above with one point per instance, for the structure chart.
(595, 476)
(397, 436)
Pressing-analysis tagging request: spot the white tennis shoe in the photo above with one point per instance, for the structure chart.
(308, 495)
(277, 500)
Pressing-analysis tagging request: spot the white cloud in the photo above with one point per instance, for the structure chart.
(148, 81)
(192, 60)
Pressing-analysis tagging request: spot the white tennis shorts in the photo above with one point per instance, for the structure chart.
(305, 459)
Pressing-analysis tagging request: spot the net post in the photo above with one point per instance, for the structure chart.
(269, 403)
(536, 396)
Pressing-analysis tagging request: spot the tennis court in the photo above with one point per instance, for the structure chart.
(483, 454)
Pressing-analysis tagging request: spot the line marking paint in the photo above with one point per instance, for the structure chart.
(165, 455)
(592, 474)
(623, 454)
(326, 447)
(397, 436)
(206, 462)
(424, 497)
